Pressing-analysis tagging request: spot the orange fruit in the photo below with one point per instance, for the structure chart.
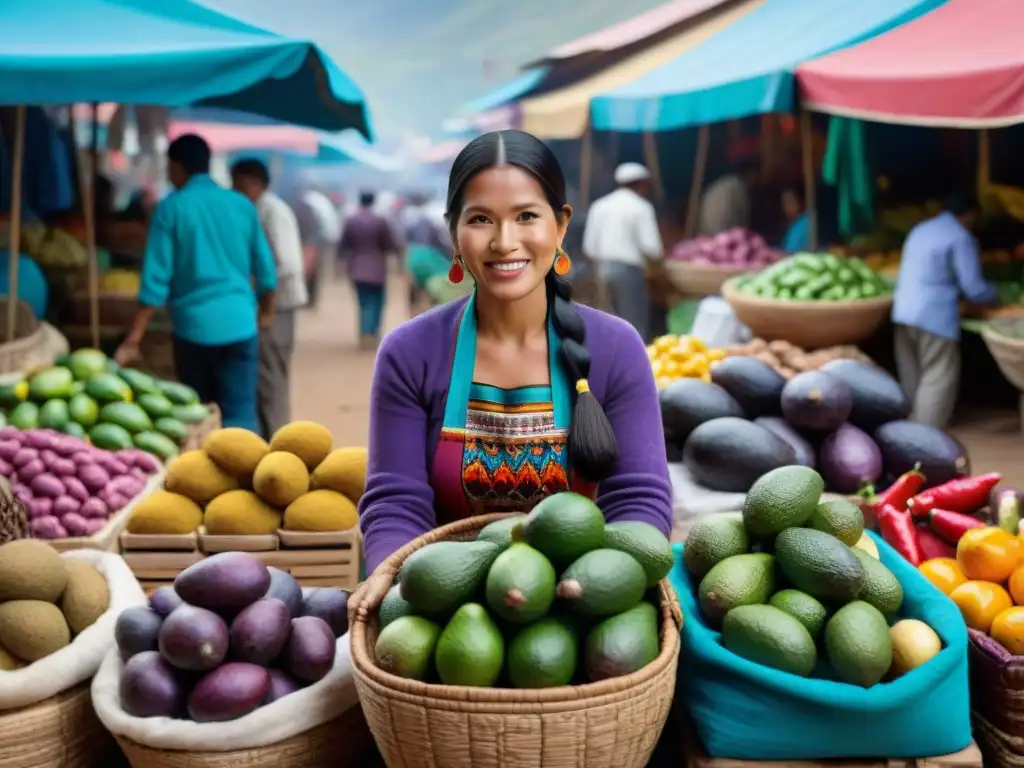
(1015, 585)
(944, 573)
(988, 554)
(1008, 630)
(980, 602)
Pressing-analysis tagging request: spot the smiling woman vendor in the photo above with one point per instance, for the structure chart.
(494, 402)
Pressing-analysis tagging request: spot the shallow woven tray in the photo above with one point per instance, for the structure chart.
(1008, 353)
(699, 280)
(336, 744)
(614, 723)
(808, 324)
(60, 732)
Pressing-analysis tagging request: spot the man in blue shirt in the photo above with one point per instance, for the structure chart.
(940, 265)
(209, 262)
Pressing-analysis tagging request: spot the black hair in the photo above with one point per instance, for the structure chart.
(366, 199)
(797, 193)
(961, 203)
(252, 168)
(593, 448)
(191, 152)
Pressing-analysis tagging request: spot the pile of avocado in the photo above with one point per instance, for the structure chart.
(87, 395)
(553, 598)
(792, 575)
(816, 277)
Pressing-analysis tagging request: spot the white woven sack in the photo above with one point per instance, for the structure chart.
(79, 661)
(287, 717)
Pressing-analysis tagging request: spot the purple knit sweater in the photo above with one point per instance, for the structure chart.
(407, 400)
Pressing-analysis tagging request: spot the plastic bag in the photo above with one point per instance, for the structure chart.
(79, 661)
(746, 711)
(289, 716)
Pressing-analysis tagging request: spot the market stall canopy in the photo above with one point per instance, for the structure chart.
(634, 30)
(747, 68)
(962, 65)
(172, 53)
(507, 92)
(228, 137)
(563, 114)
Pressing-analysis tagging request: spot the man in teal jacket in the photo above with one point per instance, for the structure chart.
(209, 262)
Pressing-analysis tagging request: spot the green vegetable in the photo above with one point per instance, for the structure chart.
(816, 277)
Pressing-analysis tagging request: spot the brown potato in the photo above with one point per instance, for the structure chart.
(757, 345)
(780, 347)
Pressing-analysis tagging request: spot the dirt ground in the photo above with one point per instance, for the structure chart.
(331, 383)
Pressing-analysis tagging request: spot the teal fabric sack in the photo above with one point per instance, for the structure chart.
(745, 711)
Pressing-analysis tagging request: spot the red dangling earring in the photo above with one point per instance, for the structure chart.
(456, 273)
(562, 263)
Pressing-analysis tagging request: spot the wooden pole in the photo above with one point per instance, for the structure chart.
(14, 234)
(653, 164)
(984, 162)
(700, 166)
(810, 187)
(586, 166)
(87, 168)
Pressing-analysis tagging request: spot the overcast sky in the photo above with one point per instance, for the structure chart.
(418, 60)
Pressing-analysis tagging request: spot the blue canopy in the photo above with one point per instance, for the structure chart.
(748, 68)
(169, 53)
(510, 91)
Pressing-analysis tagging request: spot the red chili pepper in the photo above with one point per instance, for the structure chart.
(901, 491)
(964, 495)
(897, 527)
(932, 546)
(952, 525)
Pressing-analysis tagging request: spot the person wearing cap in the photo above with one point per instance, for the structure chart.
(725, 204)
(621, 235)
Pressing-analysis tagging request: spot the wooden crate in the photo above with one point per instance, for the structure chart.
(107, 539)
(211, 544)
(157, 559)
(967, 758)
(331, 559)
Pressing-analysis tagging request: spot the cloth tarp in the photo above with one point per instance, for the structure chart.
(509, 91)
(847, 167)
(563, 114)
(170, 53)
(748, 68)
(962, 65)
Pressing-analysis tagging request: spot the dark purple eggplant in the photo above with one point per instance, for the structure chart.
(905, 444)
(800, 444)
(849, 460)
(816, 402)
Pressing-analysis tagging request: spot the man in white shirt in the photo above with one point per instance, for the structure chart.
(620, 236)
(250, 177)
(324, 239)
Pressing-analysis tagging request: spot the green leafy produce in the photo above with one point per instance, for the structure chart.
(816, 277)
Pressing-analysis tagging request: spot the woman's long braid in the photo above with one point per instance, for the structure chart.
(593, 449)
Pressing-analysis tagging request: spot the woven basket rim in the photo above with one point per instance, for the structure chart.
(732, 295)
(1000, 339)
(495, 700)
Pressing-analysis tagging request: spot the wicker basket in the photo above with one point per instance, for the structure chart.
(30, 338)
(1008, 353)
(198, 432)
(808, 324)
(13, 515)
(335, 744)
(60, 732)
(699, 280)
(614, 723)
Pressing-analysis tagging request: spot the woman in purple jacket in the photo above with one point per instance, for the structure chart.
(494, 402)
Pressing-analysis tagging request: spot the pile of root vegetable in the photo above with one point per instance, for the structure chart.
(789, 359)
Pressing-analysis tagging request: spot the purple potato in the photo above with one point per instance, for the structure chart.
(225, 583)
(75, 489)
(229, 692)
(331, 605)
(47, 528)
(165, 600)
(6, 468)
(30, 471)
(10, 433)
(94, 525)
(63, 467)
(9, 449)
(42, 507)
(93, 476)
(76, 524)
(309, 654)
(24, 456)
(47, 456)
(94, 509)
(260, 631)
(194, 639)
(150, 687)
(285, 588)
(47, 485)
(137, 630)
(39, 439)
(64, 505)
(281, 684)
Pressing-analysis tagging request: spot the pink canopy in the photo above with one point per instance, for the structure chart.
(961, 65)
(225, 137)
